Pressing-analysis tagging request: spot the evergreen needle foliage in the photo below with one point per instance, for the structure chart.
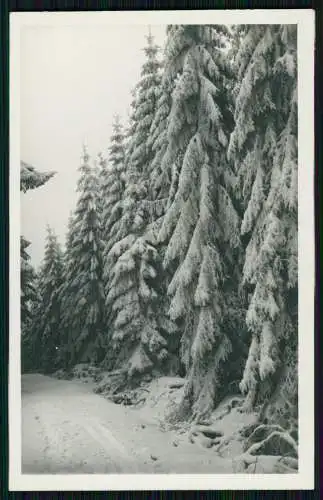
(83, 293)
(47, 314)
(201, 223)
(181, 253)
(263, 146)
(30, 178)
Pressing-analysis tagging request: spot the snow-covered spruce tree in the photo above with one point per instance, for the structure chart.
(139, 334)
(83, 293)
(139, 151)
(112, 185)
(264, 148)
(67, 297)
(132, 260)
(46, 323)
(201, 224)
(30, 339)
(139, 331)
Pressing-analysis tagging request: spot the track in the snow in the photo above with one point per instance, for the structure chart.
(67, 429)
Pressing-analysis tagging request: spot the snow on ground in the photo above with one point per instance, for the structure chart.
(161, 394)
(230, 422)
(66, 428)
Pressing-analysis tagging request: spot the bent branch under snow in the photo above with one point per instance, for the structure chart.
(30, 178)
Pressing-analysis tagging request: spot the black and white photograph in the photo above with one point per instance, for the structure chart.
(162, 250)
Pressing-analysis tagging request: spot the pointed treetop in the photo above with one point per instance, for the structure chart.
(51, 235)
(152, 48)
(85, 155)
(150, 37)
(116, 119)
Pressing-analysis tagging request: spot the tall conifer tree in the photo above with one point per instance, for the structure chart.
(47, 316)
(264, 148)
(83, 290)
(112, 182)
(136, 324)
(139, 152)
(201, 224)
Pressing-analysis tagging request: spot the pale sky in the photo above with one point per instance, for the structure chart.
(73, 80)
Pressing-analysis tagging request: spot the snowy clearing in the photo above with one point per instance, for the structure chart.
(66, 428)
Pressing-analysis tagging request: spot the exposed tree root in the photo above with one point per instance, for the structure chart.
(275, 442)
(269, 448)
(247, 430)
(260, 432)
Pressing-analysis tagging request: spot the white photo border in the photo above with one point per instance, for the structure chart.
(304, 479)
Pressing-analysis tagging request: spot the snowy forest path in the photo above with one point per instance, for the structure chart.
(66, 428)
